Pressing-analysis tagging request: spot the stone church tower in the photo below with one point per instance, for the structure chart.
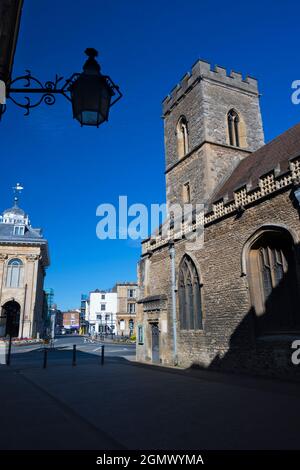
(231, 302)
(212, 120)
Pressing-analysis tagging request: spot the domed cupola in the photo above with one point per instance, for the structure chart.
(15, 215)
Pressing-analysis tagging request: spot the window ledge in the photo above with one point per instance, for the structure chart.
(193, 331)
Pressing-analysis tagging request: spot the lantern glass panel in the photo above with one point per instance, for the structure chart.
(91, 96)
(91, 118)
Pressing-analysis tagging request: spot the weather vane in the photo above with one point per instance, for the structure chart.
(17, 190)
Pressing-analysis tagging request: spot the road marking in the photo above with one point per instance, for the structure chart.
(112, 350)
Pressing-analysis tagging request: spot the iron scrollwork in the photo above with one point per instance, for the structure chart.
(32, 85)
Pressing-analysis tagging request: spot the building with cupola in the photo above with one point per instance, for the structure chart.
(24, 258)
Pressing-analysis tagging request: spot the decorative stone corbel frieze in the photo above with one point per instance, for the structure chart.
(154, 303)
(267, 185)
(33, 258)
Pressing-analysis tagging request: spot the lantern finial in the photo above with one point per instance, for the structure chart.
(91, 52)
(91, 65)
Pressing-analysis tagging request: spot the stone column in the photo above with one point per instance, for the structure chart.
(3, 258)
(29, 305)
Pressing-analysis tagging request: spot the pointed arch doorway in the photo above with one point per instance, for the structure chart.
(10, 319)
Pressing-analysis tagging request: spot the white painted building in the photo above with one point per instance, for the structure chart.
(102, 312)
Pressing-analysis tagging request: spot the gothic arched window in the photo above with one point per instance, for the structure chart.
(182, 137)
(233, 128)
(14, 273)
(273, 283)
(190, 308)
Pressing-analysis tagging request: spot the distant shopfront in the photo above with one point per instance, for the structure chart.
(71, 320)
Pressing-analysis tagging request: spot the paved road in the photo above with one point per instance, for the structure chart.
(112, 350)
(124, 405)
(63, 344)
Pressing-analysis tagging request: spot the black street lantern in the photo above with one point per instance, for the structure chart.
(90, 92)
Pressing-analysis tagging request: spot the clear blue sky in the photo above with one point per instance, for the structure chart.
(146, 47)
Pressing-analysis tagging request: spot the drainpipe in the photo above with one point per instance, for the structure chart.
(173, 297)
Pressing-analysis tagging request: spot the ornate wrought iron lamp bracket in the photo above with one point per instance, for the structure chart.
(47, 92)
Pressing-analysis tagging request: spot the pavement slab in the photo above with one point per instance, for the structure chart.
(123, 405)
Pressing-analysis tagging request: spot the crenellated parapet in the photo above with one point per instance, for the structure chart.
(203, 70)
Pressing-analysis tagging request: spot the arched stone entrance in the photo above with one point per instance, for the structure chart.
(10, 319)
(272, 276)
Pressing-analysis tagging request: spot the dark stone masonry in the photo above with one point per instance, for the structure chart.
(247, 271)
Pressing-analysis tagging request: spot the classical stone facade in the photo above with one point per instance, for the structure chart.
(236, 297)
(23, 260)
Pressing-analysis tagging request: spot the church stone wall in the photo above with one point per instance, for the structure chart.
(228, 339)
(218, 99)
(205, 170)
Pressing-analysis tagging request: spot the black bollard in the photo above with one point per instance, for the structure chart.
(102, 354)
(74, 355)
(9, 351)
(45, 358)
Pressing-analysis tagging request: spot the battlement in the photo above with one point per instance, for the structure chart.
(203, 70)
